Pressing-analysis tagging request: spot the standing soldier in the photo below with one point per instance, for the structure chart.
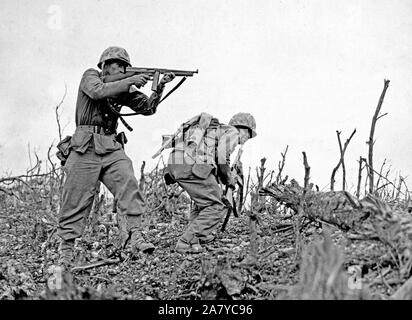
(97, 155)
(197, 164)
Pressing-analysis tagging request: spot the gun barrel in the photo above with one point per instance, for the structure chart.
(179, 73)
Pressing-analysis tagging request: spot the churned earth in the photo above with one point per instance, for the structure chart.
(226, 270)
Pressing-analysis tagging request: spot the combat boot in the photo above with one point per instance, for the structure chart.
(183, 247)
(138, 243)
(118, 244)
(207, 239)
(66, 254)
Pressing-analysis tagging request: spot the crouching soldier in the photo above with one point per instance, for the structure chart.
(95, 154)
(199, 160)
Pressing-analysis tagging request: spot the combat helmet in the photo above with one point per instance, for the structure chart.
(116, 53)
(244, 120)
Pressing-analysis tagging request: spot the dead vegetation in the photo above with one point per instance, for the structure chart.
(290, 241)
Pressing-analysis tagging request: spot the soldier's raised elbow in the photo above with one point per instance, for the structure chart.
(97, 95)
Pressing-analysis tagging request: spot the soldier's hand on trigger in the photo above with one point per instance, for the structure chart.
(139, 80)
(167, 78)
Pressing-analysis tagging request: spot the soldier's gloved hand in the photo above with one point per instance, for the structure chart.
(167, 78)
(139, 80)
(232, 183)
(234, 177)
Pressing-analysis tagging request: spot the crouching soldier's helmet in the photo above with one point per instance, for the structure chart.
(244, 120)
(114, 53)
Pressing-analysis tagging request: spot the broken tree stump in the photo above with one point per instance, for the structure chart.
(370, 217)
(335, 207)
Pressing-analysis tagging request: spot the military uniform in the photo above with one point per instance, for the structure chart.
(97, 155)
(199, 172)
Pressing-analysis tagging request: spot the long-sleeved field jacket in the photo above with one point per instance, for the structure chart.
(92, 108)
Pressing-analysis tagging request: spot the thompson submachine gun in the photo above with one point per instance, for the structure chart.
(153, 72)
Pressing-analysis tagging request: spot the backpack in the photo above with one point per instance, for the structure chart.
(195, 138)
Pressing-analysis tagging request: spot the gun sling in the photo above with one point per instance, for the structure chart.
(136, 113)
(121, 115)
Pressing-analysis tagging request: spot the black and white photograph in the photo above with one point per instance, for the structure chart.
(219, 153)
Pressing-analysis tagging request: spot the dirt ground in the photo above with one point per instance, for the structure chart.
(28, 254)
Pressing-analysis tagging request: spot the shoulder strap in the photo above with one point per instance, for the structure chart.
(136, 113)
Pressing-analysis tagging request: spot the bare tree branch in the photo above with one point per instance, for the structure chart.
(381, 116)
(359, 176)
(281, 165)
(307, 170)
(341, 161)
(57, 112)
(380, 174)
(385, 178)
(372, 132)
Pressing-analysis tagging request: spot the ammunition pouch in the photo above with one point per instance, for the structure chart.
(168, 176)
(169, 179)
(64, 149)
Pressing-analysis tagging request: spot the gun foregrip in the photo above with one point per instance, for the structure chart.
(155, 80)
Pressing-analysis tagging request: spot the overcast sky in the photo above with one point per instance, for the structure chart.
(304, 69)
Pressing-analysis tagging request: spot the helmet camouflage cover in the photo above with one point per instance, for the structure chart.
(116, 53)
(246, 120)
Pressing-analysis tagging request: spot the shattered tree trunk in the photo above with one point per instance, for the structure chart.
(252, 256)
(369, 216)
(254, 238)
(337, 208)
